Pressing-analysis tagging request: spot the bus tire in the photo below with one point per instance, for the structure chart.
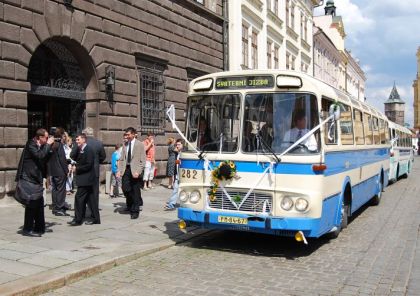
(344, 222)
(377, 198)
(405, 176)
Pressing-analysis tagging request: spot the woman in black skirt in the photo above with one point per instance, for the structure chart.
(170, 166)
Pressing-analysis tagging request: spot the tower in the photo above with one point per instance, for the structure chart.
(330, 8)
(395, 107)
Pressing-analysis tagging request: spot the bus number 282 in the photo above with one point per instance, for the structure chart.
(189, 174)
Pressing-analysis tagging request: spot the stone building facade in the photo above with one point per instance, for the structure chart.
(108, 64)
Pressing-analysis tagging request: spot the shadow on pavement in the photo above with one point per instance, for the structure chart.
(256, 244)
(120, 208)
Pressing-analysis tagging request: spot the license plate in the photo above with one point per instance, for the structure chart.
(232, 220)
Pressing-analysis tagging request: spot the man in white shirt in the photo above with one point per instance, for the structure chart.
(299, 131)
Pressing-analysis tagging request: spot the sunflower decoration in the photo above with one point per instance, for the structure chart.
(224, 172)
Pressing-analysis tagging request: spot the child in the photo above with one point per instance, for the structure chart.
(115, 181)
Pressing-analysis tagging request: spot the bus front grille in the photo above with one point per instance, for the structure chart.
(256, 202)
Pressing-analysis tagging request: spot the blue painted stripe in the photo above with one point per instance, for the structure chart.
(286, 226)
(335, 161)
(342, 161)
(253, 167)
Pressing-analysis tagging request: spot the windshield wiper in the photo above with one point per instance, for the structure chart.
(261, 140)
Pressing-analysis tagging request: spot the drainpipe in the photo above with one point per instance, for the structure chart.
(225, 36)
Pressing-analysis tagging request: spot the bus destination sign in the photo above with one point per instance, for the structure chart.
(236, 82)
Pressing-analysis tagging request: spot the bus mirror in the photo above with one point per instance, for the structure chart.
(335, 111)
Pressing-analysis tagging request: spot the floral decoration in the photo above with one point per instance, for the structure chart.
(224, 172)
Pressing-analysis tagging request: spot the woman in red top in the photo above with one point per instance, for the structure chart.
(149, 169)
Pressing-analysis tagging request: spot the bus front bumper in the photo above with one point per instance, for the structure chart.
(286, 226)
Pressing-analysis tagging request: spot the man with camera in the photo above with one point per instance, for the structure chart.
(58, 170)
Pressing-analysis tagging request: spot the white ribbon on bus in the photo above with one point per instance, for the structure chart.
(270, 168)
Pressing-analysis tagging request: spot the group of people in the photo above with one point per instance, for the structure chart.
(45, 156)
(51, 156)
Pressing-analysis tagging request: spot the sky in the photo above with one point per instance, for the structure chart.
(384, 36)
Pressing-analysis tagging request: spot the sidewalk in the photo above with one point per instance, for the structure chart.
(29, 266)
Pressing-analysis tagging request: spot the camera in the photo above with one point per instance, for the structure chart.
(52, 132)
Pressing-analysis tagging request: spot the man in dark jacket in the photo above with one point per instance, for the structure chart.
(85, 179)
(58, 170)
(100, 156)
(32, 170)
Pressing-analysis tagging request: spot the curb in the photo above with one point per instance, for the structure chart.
(56, 278)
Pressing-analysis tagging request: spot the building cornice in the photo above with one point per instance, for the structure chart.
(275, 34)
(275, 19)
(246, 11)
(293, 48)
(291, 33)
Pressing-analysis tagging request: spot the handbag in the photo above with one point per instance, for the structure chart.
(26, 192)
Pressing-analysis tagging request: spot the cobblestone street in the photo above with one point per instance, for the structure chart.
(378, 254)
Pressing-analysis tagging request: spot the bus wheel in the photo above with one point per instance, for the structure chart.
(377, 198)
(405, 176)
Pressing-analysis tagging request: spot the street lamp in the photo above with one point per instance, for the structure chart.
(67, 2)
(110, 82)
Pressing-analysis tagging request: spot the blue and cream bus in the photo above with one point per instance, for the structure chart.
(279, 152)
(401, 154)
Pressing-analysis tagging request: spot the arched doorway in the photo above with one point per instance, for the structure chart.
(57, 97)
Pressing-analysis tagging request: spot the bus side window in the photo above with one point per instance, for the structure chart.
(330, 128)
(382, 131)
(367, 124)
(346, 125)
(376, 138)
(358, 127)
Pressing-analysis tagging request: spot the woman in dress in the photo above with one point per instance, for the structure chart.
(170, 166)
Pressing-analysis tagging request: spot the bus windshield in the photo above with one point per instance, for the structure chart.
(213, 122)
(277, 120)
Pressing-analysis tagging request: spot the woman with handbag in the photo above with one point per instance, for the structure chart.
(29, 178)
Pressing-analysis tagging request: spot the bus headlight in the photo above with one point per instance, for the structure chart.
(286, 203)
(183, 196)
(195, 196)
(301, 204)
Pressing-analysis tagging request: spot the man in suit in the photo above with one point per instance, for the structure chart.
(58, 170)
(130, 167)
(99, 157)
(85, 178)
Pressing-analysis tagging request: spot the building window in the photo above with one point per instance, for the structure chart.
(287, 13)
(254, 50)
(269, 65)
(268, 4)
(245, 42)
(152, 98)
(287, 61)
(301, 25)
(276, 7)
(305, 29)
(293, 63)
(304, 67)
(292, 16)
(276, 57)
